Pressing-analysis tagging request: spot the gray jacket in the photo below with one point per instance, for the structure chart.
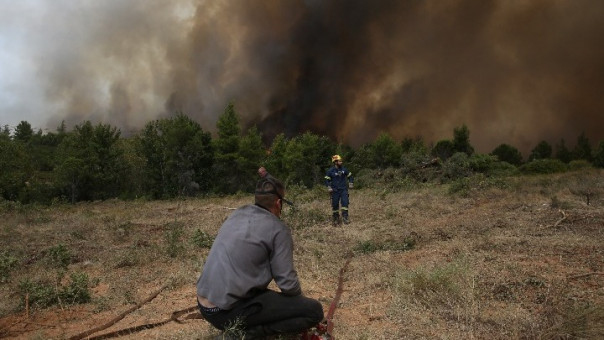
(252, 247)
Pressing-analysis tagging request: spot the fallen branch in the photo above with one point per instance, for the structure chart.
(128, 331)
(558, 221)
(175, 317)
(584, 275)
(117, 318)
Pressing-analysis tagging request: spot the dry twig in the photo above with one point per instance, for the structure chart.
(558, 221)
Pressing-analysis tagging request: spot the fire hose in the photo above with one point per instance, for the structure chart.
(336, 299)
(324, 331)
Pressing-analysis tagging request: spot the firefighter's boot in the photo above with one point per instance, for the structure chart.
(345, 215)
(336, 219)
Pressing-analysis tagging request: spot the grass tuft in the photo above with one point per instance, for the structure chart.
(7, 263)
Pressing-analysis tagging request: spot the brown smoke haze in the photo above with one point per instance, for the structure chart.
(513, 71)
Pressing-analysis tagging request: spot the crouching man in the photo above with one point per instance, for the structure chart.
(253, 247)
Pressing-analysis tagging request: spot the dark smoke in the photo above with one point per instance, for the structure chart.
(514, 72)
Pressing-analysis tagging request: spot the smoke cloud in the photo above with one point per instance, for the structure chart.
(514, 72)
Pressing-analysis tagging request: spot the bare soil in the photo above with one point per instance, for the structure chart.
(524, 260)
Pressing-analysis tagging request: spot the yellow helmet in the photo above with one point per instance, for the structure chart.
(335, 158)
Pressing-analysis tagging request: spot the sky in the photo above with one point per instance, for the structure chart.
(514, 71)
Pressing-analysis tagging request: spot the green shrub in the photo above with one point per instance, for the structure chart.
(457, 166)
(481, 162)
(414, 160)
(59, 256)
(77, 291)
(490, 165)
(174, 245)
(202, 239)
(37, 294)
(543, 166)
(44, 294)
(501, 169)
(460, 187)
(579, 164)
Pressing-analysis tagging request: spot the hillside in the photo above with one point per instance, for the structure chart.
(512, 258)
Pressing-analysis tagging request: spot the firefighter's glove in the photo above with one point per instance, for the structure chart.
(350, 185)
(329, 189)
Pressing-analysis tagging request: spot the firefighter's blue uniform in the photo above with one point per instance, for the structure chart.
(338, 179)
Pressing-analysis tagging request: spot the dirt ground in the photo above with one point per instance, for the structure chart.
(523, 260)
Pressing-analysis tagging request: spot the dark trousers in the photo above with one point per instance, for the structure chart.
(337, 197)
(269, 313)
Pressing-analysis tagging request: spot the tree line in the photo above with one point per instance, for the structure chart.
(175, 156)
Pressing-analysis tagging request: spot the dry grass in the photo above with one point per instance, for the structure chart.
(496, 261)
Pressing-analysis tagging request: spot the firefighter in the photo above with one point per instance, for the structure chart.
(338, 179)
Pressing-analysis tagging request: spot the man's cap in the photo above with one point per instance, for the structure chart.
(335, 158)
(268, 186)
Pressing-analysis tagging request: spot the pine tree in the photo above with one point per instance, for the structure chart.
(275, 160)
(15, 168)
(252, 153)
(227, 153)
(89, 162)
(23, 132)
(461, 140)
(583, 149)
(543, 150)
(562, 152)
(179, 157)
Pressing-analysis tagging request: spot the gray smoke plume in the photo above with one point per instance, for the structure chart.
(514, 72)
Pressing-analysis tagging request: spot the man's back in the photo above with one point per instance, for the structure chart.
(251, 248)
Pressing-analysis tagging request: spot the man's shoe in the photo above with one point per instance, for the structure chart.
(346, 220)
